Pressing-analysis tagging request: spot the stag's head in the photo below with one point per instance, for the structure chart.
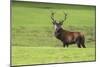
(57, 24)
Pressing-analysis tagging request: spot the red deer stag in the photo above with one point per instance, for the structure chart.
(67, 37)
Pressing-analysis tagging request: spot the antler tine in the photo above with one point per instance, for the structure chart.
(52, 13)
(64, 17)
(52, 16)
(65, 14)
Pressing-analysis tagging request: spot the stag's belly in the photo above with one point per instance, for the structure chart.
(69, 39)
(66, 40)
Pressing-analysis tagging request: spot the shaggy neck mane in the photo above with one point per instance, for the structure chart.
(57, 30)
(61, 30)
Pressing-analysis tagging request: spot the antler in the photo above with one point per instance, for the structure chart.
(52, 16)
(64, 18)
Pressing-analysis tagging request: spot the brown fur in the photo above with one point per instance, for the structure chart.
(68, 37)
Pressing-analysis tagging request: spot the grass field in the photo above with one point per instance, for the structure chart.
(33, 40)
(44, 55)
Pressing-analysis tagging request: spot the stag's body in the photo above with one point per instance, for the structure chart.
(67, 37)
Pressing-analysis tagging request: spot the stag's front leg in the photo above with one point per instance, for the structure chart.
(67, 45)
(64, 44)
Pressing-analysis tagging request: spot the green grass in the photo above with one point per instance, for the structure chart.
(44, 55)
(33, 40)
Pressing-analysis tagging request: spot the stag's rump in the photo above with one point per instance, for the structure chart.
(72, 37)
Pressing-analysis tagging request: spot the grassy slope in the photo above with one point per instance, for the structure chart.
(44, 55)
(32, 33)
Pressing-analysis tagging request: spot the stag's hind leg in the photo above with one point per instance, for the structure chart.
(83, 46)
(78, 43)
(83, 42)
